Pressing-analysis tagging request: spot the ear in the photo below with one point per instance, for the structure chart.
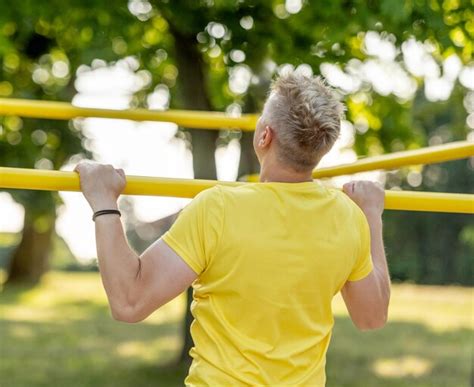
(266, 137)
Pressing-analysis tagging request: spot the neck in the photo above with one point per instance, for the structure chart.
(272, 172)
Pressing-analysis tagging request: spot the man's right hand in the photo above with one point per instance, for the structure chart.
(369, 196)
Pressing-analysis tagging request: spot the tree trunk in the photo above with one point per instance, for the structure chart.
(30, 259)
(193, 90)
(194, 96)
(248, 163)
(248, 160)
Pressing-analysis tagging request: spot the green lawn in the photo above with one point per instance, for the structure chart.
(61, 333)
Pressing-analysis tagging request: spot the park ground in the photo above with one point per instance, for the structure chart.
(60, 333)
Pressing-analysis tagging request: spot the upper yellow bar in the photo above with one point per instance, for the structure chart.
(66, 111)
(139, 185)
(433, 154)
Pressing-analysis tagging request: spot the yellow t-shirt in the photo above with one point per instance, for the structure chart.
(269, 258)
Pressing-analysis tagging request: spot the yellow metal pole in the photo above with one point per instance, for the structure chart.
(66, 111)
(429, 201)
(138, 185)
(46, 180)
(433, 154)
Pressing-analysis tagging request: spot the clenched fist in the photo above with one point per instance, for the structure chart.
(101, 184)
(369, 196)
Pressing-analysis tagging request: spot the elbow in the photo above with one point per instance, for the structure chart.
(376, 321)
(377, 316)
(126, 314)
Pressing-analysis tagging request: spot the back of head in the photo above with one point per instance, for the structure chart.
(306, 117)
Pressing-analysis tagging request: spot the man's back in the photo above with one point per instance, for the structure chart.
(264, 259)
(270, 257)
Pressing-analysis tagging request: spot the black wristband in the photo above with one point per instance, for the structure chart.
(105, 212)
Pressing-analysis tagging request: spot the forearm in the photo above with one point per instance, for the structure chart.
(119, 265)
(367, 299)
(379, 259)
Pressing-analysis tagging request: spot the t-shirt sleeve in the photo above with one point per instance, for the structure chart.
(363, 265)
(194, 235)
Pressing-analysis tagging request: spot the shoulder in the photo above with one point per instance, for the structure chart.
(222, 195)
(210, 197)
(207, 207)
(240, 191)
(347, 204)
(341, 197)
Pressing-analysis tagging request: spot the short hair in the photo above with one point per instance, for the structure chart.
(306, 116)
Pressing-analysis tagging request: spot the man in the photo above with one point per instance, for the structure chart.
(264, 259)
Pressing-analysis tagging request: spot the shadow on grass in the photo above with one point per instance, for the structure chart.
(401, 354)
(89, 352)
(53, 339)
(85, 347)
(14, 292)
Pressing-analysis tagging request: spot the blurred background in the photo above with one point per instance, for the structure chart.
(406, 73)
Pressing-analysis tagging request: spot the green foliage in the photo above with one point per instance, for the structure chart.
(43, 45)
(42, 49)
(424, 247)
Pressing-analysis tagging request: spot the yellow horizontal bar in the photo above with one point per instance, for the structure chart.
(66, 111)
(433, 154)
(138, 185)
(429, 201)
(45, 180)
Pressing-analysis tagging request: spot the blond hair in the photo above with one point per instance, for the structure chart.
(306, 116)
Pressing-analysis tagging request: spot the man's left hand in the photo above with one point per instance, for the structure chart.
(101, 184)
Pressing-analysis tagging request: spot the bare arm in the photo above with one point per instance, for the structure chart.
(367, 300)
(135, 285)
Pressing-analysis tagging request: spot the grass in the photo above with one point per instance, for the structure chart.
(61, 333)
